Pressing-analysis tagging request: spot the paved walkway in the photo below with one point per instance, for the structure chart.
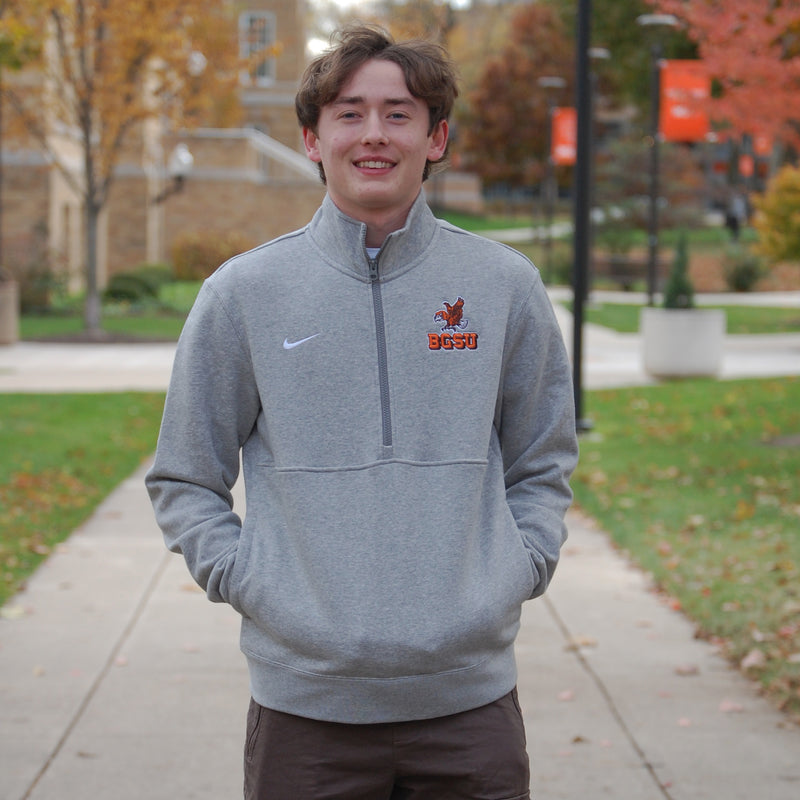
(119, 680)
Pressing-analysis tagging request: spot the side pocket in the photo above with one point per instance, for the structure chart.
(254, 713)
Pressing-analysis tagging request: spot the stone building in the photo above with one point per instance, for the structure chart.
(254, 180)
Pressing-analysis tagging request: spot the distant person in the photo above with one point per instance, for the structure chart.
(400, 396)
(736, 216)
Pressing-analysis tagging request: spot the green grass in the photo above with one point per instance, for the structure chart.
(490, 222)
(698, 482)
(60, 455)
(160, 320)
(624, 317)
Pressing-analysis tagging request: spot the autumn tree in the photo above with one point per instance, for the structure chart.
(752, 51)
(18, 46)
(505, 126)
(106, 67)
(411, 19)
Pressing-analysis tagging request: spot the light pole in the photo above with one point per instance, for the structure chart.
(582, 203)
(551, 84)
(654, 22)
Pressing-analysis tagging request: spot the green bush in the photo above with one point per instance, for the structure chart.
(777, 218)
(143, 283)
(197, 254)
(742, 267)
(127, 287)
(155, 275)
(679, 291)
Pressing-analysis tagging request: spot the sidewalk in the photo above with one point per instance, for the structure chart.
(118, 679)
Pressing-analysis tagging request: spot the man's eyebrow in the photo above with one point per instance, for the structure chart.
(356, 100)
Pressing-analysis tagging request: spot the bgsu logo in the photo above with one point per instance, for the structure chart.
(452, 320)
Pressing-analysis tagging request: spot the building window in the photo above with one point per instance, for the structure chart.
(256, 41)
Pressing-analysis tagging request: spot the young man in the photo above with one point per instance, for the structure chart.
(400, 395)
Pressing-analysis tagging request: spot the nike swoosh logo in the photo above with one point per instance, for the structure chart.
(287, 345)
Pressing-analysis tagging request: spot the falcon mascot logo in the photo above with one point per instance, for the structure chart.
(452, 321)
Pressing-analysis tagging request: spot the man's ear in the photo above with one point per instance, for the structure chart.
(312, 145)
(438, 140)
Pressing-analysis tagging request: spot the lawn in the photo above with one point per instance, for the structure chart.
(154, 320)
(697, 482)
(741, 319)
(60, 455)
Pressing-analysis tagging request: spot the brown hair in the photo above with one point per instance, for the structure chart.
(429, 74)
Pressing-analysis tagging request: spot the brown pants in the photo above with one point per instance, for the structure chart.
(475, 755)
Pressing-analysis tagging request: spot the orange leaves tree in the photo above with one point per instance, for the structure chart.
(504, 128)
(106, 67)
(752, 50)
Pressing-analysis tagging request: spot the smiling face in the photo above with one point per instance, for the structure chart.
(373, 141)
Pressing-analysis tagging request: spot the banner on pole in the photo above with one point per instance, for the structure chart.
(685, 89)
(565, 136)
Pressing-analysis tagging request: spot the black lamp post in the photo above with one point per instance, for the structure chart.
(654, 22)
(582, 203)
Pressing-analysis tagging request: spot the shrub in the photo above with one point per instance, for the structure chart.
(742, 267)
(197, 254)
(155, 275)
(140, 284)
(127, 287)
(777, 218)
(679, 291)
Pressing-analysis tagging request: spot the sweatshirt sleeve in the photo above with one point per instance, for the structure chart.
(211, 407)
(537, 432)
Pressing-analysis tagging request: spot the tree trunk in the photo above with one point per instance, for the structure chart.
(92, 307)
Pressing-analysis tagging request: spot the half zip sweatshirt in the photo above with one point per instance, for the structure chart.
(406, 434)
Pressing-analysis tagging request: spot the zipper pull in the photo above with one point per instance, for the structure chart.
(373, 269)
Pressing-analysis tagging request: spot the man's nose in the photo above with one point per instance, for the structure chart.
(374, 130)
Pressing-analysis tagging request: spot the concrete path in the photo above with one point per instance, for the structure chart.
(119, 680)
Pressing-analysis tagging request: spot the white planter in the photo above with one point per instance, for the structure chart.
(682, 343)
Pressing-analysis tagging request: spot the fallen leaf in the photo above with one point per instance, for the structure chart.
(730, 707)
(684, 722)
(687, 669)
(581, 641)
(755, 659)
(566, 696)
(579, 740)
(38, 671)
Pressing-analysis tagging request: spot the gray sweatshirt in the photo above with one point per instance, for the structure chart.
(406, 433)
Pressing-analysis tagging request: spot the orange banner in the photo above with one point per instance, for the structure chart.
(685, 88)
(565, 136)
(762, 145)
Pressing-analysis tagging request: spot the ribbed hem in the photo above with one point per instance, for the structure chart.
(376, 700)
